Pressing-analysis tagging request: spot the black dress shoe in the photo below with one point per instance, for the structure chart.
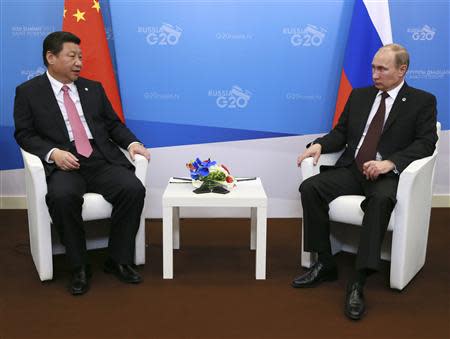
(315, 275)
(354, 301)
(79, 282)
(124, 272)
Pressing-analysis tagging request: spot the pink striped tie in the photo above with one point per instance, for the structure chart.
(80, 137)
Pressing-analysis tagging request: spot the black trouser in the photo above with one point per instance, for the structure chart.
(117, 184)
(319, 190)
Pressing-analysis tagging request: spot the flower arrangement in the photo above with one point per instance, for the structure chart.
(208, 176)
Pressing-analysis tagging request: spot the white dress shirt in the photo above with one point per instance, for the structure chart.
(389, 102)
(73, 93)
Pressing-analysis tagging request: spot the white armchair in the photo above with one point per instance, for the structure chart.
(405, 243)
(42, 244)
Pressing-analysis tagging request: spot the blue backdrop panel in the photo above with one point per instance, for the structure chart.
(230, 65)
(24, 25)
(198, 72)
(161, 134)
(423, 28)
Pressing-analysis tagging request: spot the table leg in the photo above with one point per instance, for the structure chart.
(176, 228)
(261, 235)
(167, 243)
(253, 228)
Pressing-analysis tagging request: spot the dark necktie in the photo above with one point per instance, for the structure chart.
(80, 137)
(368, 149)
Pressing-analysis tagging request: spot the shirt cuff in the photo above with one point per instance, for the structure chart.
(395, 170)
(47, 157)
(134, 142)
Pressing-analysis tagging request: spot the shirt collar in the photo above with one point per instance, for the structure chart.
(393, 92)
(57, 85)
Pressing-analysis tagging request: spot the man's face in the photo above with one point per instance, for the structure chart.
(66, 65)
(385, 74)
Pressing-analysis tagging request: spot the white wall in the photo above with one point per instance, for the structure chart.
(274, 160)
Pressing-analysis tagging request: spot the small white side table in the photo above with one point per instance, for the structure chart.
(246, 194)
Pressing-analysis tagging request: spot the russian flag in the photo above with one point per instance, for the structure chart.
(370, 29)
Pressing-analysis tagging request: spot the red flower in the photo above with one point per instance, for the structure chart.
(229, 179)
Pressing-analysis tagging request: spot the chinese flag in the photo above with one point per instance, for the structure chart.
(84, 19)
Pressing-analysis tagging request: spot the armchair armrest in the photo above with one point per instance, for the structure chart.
(38, 216)
(140, 164)
(412, 215)
(33, 165)
(307, 166)
(36, 184)
(415, 186)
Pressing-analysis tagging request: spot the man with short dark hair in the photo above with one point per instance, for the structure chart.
(382, 129)
(69, 123)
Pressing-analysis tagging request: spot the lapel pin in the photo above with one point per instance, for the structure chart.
(403, 99)
(86, 89)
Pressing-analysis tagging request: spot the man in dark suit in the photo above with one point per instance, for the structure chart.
(69, 123)
(382, 129)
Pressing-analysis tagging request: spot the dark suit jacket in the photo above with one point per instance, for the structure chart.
(39, 124)
(408, 134)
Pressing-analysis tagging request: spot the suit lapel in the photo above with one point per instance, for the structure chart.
(397, 107)
(86, 102)
(54, 111)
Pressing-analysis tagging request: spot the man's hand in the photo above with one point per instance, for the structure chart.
(139, 149)
(312, 151)
(372, 169)
(64, 160)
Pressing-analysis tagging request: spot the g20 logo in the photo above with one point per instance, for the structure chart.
(310, 36)
(236, 98)
(165, 35)
(424, 33)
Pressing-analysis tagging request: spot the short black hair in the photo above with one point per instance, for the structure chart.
(54, 43)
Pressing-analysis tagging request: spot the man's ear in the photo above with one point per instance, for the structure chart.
(403, 69)
(50, 57)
